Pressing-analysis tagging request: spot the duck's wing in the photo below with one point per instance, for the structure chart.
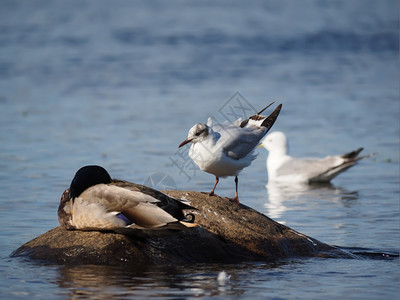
(171, 205)
(132, 207)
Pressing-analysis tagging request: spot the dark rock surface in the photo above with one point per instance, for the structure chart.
(229, 233)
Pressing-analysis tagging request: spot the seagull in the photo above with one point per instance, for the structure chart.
(282, 167)
(94, 201)
(224, 150)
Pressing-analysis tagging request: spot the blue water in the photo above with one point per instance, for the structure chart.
(119, 83)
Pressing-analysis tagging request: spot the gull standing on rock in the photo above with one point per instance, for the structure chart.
(282, 167)
(225, 150)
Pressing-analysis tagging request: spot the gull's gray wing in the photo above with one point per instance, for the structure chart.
(311, 168)
(238, 142)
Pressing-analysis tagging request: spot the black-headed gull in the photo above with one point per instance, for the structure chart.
(282, 167)
(224, 150)
(94, 201)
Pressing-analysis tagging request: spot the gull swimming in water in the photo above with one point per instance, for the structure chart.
(94, 201)
(224, 150)
(282, 167)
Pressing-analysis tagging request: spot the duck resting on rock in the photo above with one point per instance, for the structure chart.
(94, 201)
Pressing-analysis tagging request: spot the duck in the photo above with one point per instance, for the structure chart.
(282, 167)
(94, 201)
(226, 149)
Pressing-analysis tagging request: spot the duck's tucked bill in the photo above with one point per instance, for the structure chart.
(94, 201)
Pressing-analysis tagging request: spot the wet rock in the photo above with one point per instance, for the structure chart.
(229, 233)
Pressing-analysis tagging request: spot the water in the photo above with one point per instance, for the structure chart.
(120, 83)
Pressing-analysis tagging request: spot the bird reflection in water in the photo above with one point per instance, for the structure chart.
(286, 197)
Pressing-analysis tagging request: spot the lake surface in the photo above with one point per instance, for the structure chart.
(120, 83)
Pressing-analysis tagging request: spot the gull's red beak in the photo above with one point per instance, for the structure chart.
(184, 142)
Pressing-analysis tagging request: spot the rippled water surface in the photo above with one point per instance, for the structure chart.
(120, 83)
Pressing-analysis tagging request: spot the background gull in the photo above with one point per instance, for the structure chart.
(225, 150)
(285, 168)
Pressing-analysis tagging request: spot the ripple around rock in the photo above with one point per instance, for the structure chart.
(229, 233)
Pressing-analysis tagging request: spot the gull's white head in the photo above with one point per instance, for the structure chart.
(196, 134)
(275, 142)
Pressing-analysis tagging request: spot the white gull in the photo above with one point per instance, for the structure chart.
(224, 150)
(282, 167)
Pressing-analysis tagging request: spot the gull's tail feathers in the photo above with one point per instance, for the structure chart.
(350, 159)
(268, 122)
(263, 121)
(261, 111)
(353, 155)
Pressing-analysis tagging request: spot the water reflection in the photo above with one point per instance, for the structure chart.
(283, 197)
(105, 282)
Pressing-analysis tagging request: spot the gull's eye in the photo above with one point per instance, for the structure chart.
(199, 132)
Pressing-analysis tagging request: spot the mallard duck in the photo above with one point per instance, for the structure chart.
(225, 150)
(94, 201)
(282, 167)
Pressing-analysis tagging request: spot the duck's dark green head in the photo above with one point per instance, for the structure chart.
(86, 177)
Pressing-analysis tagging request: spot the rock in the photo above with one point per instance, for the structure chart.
(229, 233)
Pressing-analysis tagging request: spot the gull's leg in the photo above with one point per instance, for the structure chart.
(236, 198)
(216, 182)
